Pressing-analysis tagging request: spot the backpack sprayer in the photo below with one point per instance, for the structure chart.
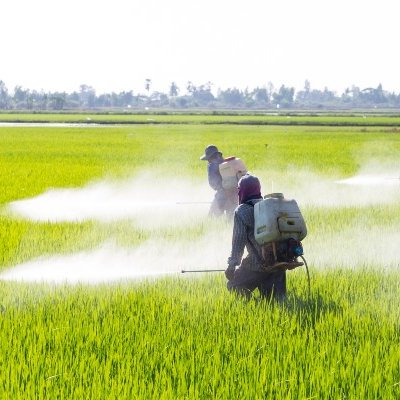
(231, 170)
(279, 228)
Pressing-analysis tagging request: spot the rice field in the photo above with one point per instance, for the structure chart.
(174, 336)
(154, 117)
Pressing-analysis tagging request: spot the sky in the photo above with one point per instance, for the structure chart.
(57, 45)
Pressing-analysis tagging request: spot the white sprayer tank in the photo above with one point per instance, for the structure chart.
(231, 170)
(277, 218)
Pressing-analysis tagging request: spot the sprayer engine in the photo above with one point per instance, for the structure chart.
(288, 250)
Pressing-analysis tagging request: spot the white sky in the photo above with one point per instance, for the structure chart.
(114, 45)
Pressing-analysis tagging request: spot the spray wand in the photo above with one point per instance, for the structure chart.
(202, 270)
(192, 202)
(183, 271)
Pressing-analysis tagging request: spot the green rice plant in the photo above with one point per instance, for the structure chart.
(34, 160)
(186, 337)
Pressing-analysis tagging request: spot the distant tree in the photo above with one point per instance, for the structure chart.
(182, 102)
(374, 96)
(202, 94)
(285, 97)
(379, 94)
(104, 100)
(355, 92)
(248, 100)
(307, 86)
(315, 98)
(147, 85)
(173, 90)
(57, 100)
(87, 96)
(73, 100)
(158, 99)
(4, 97)
(261, 96)
(20, 97)
(126, 98)
(232, 97)
(346, 96)
(42, 100)
(190, 88)
(352, 97)
(270, 88)
(393, 100)
(303, 96)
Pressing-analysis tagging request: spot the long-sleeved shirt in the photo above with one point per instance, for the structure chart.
(214, 176)
(243, 237)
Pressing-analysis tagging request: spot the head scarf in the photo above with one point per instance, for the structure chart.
(249, 188)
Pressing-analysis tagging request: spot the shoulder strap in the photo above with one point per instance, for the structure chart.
(260, 258)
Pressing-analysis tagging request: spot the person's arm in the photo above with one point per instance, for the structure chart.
(239, 239)
(214, 176)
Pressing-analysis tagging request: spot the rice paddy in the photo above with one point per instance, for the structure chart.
(172, 336)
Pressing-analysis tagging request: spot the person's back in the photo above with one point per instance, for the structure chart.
(250, 274)
(243, 237)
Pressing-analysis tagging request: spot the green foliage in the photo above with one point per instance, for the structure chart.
(187, 339)
(33, 160)
(184, 338)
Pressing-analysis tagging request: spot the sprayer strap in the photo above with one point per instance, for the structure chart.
(260, 258)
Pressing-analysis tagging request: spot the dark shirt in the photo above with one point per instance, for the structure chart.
(214, 176)
(243, 236)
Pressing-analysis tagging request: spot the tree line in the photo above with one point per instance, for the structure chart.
(199, 96)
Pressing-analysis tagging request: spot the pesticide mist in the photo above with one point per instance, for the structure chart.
(112, 263)
(361, 190)
(152, 202)
(147, 199)
(354, 242)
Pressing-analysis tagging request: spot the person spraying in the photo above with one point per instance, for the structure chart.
(223, 176)
(270, 229)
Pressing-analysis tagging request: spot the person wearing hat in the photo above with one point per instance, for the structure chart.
(223, 201)
(250, 274)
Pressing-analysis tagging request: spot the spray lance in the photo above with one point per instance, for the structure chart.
(202, 270)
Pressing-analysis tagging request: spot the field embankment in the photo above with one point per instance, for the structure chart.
(285, 118)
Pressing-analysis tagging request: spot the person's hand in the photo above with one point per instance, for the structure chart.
(230, 273)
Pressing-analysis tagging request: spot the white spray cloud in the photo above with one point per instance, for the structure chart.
(380, 180)
(363, 189)
(354, 246)
(112, 263)
(148, 199)
(359, 244)
(376, 174)
(153, 201)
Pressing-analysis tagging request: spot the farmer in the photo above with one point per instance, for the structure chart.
(224, 200)
(250, 274)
